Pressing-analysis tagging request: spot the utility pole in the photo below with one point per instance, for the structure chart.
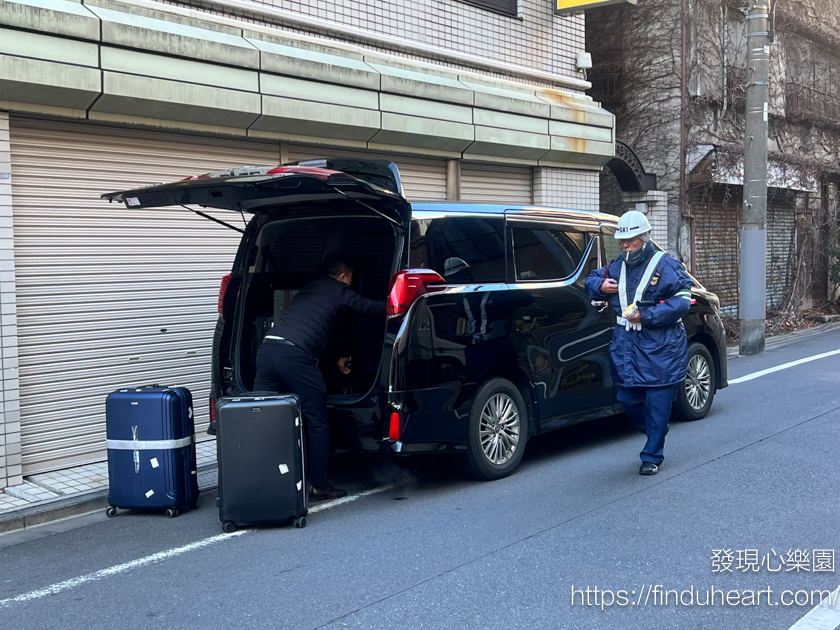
(753, 277)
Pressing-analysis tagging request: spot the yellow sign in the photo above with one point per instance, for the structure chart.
(569, 6)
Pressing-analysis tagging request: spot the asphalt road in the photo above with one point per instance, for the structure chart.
(433, 550)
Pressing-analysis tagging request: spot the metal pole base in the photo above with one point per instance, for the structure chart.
(751, 336)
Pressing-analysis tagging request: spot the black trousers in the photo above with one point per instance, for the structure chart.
(288, 369)
(649, 409)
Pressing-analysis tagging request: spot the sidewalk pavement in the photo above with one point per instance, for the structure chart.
(780, 341)
(47, 497)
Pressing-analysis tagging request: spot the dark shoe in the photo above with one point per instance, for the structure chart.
(648, 468)
(326, 493)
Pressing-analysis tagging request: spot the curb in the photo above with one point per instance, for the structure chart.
(52, 510)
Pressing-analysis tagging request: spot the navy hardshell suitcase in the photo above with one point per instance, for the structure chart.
(151, 449)
(260, 446)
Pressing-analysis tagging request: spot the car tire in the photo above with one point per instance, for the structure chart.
(498, 431)
(696, 394)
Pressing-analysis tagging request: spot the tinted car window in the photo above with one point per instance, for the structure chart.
(543, 254)
(460, 249)
(611, 246)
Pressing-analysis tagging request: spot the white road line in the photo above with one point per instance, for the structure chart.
(349, 498)
(119, 568)
(783, 366)
(164, 555)
(823, 616)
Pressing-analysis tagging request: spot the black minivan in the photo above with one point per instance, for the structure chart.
(490, 336)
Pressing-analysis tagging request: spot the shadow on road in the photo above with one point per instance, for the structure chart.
(378, 469)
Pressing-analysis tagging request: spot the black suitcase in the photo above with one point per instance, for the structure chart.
(261, 462)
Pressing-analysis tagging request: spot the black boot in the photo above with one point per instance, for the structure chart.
(647, 468)
(325, 493)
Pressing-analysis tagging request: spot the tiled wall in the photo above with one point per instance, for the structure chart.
(535, 39)
(566, 188)
(10, 467)
(656, 208)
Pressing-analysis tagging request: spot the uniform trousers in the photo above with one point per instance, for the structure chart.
(649, 409)
(285, 368)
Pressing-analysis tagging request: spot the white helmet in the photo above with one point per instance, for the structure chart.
(632, 223)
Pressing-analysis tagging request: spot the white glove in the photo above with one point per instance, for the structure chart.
(628, 326)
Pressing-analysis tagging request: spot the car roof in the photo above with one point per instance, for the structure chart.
(524, 211)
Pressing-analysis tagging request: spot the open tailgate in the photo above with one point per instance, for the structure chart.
(254, 189)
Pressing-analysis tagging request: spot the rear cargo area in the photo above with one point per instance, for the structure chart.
(285, 257)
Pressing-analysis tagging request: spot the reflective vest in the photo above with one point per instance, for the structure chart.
(623, 297)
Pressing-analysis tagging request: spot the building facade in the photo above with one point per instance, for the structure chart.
(477, 100)
(638, 75)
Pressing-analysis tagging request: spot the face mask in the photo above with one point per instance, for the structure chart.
(632, 259)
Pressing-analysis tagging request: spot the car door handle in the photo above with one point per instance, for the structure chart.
(600, 305)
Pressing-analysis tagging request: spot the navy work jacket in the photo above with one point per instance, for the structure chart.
(656, 355)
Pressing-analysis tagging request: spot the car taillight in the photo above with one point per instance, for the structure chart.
(394, 429)
(407, 286)
(212, 410)
(222, 291)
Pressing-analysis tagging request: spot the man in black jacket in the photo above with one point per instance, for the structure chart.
(288, 358)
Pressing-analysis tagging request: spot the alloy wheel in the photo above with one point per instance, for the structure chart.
(499, 428)
(698, 381)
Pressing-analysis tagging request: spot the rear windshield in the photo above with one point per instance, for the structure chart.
(467, 250)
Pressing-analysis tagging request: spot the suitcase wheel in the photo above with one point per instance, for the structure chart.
(229, 527)
(171, 513)
(300, 521)
(111, 512)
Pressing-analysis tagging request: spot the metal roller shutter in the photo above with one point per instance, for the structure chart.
(496, 184)
(716, 211)
(108, 297)
(781, 246)
(422, 178)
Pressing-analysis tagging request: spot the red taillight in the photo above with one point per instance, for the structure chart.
(212, 410)
(408, 285)
(394, 429)
(222, 291)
